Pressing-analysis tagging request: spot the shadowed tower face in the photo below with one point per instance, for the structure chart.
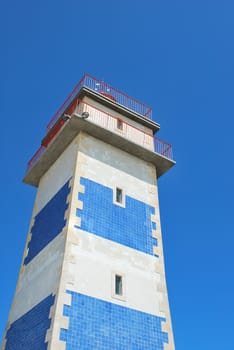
(92, 275)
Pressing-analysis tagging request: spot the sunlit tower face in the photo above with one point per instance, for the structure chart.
(92, 275)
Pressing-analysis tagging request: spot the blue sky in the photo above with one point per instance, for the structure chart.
(176, 56)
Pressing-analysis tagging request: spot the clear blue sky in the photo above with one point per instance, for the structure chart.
(178, 57)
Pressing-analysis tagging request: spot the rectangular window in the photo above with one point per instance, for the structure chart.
(119, 124)
(118, 285)
(119, 195)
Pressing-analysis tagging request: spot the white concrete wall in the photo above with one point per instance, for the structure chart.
(113, 167)
(39, 278)
(107, 118)
(110, 111)
(92, 262)
(57, 175)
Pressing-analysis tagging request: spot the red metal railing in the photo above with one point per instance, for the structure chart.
(163, 148)
(106, 90)
(37, 155)
(128, 131)
(111, 123)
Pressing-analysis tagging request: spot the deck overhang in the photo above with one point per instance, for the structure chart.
(72, 128)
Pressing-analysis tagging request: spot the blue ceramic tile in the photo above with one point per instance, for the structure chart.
(29, 331)
(101, 325)
(131, 226)
(48, 223)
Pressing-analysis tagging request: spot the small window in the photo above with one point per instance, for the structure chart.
(119, 124)
(119, 195)
(118, 285)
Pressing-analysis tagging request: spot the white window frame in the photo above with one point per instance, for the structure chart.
(121, 297)
(122, 203)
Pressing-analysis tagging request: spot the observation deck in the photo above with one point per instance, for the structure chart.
(101, 111)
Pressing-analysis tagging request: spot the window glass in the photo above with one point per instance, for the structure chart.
(118, 285)
(119, 195)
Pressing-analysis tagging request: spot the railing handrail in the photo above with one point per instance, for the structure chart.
(116, 118)
(85, 82)
(122, 93)
(65, 104)
(154, 138)
(157, 141)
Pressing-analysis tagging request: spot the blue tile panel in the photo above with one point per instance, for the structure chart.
(48, 223)
(29, 331)
(101, 325)
(130, 226)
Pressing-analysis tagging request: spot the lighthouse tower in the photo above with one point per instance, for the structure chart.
(92, 274)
